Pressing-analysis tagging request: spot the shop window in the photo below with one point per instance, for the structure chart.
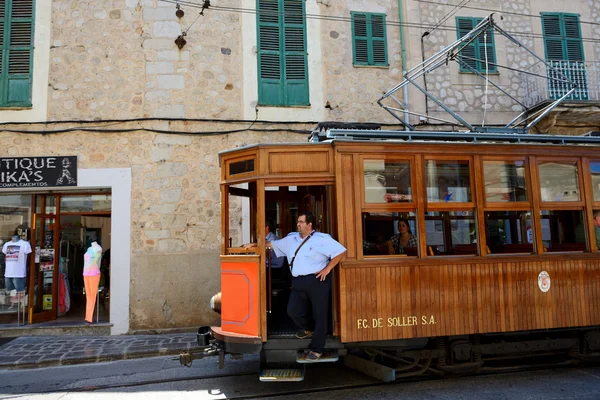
(390, 233)
(87, 203)
(387, 181)
(563, 230)
(451, 233)
(509, 232)
(559, 181)
(505, 181)
(448, 181)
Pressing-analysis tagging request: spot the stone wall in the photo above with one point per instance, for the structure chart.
(118, 60)
(352, 92)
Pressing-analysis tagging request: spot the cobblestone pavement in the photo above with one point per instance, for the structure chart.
(42, 351)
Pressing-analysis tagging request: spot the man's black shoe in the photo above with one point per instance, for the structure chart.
(302, 334)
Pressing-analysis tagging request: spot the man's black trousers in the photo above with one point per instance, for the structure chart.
(309, 296)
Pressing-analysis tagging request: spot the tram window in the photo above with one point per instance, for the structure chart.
(241, 167)
(563, 230)
(241, 214)
(509, 232)
(386, 233)
(505, 181)
(448, 181)
(451, 233)
(387, 181)
(559, 181)
(595, 170)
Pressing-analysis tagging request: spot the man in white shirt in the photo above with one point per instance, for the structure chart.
(16, 252)
(311, 255)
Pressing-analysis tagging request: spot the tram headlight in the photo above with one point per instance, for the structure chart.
(215, 303)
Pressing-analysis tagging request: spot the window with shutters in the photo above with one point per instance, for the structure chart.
(473, 55)
(564, 53)
(282, 55)
(369, 42)
(16, 43)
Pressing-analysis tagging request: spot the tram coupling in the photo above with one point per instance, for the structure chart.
(209, 347)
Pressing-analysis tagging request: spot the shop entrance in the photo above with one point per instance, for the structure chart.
(59, 228)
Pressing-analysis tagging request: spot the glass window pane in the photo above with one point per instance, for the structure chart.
(15, 214)
(241, 167)
(241, 228)
(88, 203)
(563, 230)
(390, 233)
(387, 181)
(448, 181)
(559, 181)
(451, 233)
(595, 169)
(504, 181)
(509, 231)
(596, 223)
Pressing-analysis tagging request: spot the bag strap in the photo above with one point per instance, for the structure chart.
(298, 249)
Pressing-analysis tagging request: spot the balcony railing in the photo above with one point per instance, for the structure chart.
(547, 84)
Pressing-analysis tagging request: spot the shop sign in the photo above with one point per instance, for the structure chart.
(17, 172)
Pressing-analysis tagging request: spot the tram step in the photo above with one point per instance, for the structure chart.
(327, 356)
(282, 375)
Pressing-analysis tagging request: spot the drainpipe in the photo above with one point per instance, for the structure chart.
(403, 55)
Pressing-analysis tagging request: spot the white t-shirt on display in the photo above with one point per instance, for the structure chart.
(16, 258)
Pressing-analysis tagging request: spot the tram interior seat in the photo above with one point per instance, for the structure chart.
(411, 251)
(556, 247)
(464, 249)
(513, 248)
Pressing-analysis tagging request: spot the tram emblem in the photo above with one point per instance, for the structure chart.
(544, 281)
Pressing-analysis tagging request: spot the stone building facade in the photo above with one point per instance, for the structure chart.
(110, 86)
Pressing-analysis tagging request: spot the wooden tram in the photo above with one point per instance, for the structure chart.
(507, 262)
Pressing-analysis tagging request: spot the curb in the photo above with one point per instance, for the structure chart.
(89, 360)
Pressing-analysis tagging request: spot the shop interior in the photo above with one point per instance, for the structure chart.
(59, 228)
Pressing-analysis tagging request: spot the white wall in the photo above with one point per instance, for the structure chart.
(119, 181)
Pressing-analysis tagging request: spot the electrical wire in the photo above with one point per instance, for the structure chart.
(407, 25)
(498, 11)
(448, 15)
(126, 130)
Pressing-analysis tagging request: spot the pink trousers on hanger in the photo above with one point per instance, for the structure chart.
(91, 290)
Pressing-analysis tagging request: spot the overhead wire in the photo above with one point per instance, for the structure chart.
(408, 25)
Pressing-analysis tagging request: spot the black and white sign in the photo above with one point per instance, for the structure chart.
(18, 172)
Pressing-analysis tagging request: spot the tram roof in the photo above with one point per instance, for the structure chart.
(401, 137)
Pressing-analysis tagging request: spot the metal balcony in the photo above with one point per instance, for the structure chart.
(542, 84)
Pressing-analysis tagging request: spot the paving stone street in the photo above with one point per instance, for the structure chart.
(38, 351)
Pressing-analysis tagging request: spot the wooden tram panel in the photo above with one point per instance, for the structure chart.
(391, 301)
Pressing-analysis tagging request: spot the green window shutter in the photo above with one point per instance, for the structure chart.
(474, 54)
(270, 79)
(282, 55)
(295, 61)
(379, 40)
(564, 50)
(16, 42)
(369, 40)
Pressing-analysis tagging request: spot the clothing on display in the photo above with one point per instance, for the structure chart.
(16, 257)
(91, 278)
